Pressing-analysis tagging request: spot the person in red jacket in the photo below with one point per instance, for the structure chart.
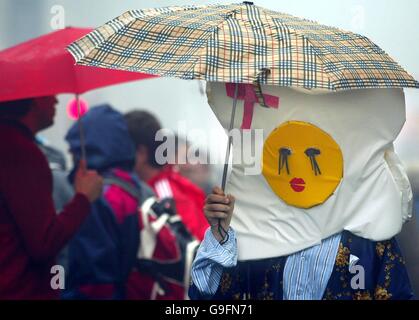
(166, 182)
(31, 233)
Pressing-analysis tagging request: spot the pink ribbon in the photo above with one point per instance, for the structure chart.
(247, 93)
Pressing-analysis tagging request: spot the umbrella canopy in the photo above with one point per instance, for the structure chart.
(239, 43)
(42, 67)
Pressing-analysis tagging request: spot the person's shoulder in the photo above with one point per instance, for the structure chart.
(118, 189)
(11, 134)
(17, 143)
(122, 202)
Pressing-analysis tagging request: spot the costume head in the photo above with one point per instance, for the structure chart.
(326, 165)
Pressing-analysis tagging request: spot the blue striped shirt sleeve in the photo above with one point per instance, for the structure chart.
(211, 259)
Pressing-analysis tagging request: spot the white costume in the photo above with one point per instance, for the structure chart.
(373, 196)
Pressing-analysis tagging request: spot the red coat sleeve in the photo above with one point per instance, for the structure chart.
(26, 185)
(190, 200)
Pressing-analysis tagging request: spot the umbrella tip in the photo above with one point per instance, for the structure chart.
(250, 3)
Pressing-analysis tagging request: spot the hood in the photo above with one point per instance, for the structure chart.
(108, 143)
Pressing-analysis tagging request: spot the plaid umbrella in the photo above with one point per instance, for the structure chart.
(239, 43)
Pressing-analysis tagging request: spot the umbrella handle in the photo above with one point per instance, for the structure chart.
(81, 131)
(230, 140)
(221, 230)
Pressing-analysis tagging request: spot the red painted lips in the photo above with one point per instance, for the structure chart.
(298, 184)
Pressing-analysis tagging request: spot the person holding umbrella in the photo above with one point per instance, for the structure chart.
(31, 234)
(328, 104)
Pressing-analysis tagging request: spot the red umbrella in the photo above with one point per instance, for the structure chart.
(43, 67)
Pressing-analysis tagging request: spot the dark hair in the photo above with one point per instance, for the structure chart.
(15, 109)
(142, 127)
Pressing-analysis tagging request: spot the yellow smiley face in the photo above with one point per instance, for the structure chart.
(302, 164)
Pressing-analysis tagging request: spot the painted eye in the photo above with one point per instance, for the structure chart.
(284, 154)
(312, 153)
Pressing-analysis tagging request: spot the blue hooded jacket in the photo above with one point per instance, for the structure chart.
(103, 252)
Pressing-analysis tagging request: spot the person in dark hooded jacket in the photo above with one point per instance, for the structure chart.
(103, 252)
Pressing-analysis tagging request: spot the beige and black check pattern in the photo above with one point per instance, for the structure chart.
(234, 43)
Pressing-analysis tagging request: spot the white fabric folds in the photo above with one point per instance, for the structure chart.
(372, 199)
